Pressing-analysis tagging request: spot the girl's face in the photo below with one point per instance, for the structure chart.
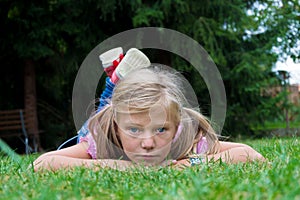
(146, 136)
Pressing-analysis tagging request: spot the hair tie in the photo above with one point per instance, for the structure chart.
(179, 130)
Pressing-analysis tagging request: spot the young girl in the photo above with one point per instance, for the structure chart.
(148, 122)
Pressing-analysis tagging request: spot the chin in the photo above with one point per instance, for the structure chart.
(147, 162)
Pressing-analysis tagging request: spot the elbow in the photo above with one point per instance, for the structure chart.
(37, 165)
(42, 163)
(253, 155)
(259, 157)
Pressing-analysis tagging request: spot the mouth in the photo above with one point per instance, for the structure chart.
(147, 156)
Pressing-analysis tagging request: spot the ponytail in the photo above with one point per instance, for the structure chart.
(194, 127)
(103, 129)
(204, 130)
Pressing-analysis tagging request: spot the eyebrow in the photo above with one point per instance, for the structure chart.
(137, 124)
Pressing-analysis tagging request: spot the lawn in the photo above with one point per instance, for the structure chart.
(277, 179)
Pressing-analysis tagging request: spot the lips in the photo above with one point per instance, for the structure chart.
(147, 156)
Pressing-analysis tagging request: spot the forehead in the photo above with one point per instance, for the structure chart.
(155, 114)
(159, 112)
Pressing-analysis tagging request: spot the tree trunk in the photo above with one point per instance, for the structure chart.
(30, 104)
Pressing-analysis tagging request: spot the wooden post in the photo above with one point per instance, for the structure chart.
(30, 103)
(285, 76)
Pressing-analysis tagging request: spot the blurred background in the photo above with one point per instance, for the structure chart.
(253, 43)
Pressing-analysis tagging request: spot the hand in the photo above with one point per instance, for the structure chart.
(177, 164)
(182, 164)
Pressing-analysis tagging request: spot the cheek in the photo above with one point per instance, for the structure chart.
(129, 144)
(164, 142)
(166, 146)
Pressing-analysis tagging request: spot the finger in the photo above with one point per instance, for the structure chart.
(169, 163)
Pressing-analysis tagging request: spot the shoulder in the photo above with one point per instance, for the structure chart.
(91, 145)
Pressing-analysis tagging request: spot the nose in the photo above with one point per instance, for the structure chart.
(148, 143)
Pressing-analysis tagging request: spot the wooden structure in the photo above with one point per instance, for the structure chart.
(30, 103)
(13, 124)
(23, 123)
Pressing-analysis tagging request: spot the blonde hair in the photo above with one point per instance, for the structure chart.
(138, 92)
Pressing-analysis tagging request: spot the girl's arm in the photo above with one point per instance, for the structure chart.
(75, 156)
(236, 152)
(229, 153)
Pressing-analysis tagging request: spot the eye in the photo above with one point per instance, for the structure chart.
(134, 130)
(161, 130)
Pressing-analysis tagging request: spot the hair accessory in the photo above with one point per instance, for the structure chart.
(179, 130)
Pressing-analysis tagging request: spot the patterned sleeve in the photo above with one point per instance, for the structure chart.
(92, 150)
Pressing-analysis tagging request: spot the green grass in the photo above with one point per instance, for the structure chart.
(278, 179)
(267, 126)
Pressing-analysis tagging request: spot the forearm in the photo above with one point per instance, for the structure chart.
(56, 162)
(236, 155)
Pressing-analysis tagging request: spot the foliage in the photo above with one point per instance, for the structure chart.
(56, 35)
(243, 55)
(282, 19)
(276, 179)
